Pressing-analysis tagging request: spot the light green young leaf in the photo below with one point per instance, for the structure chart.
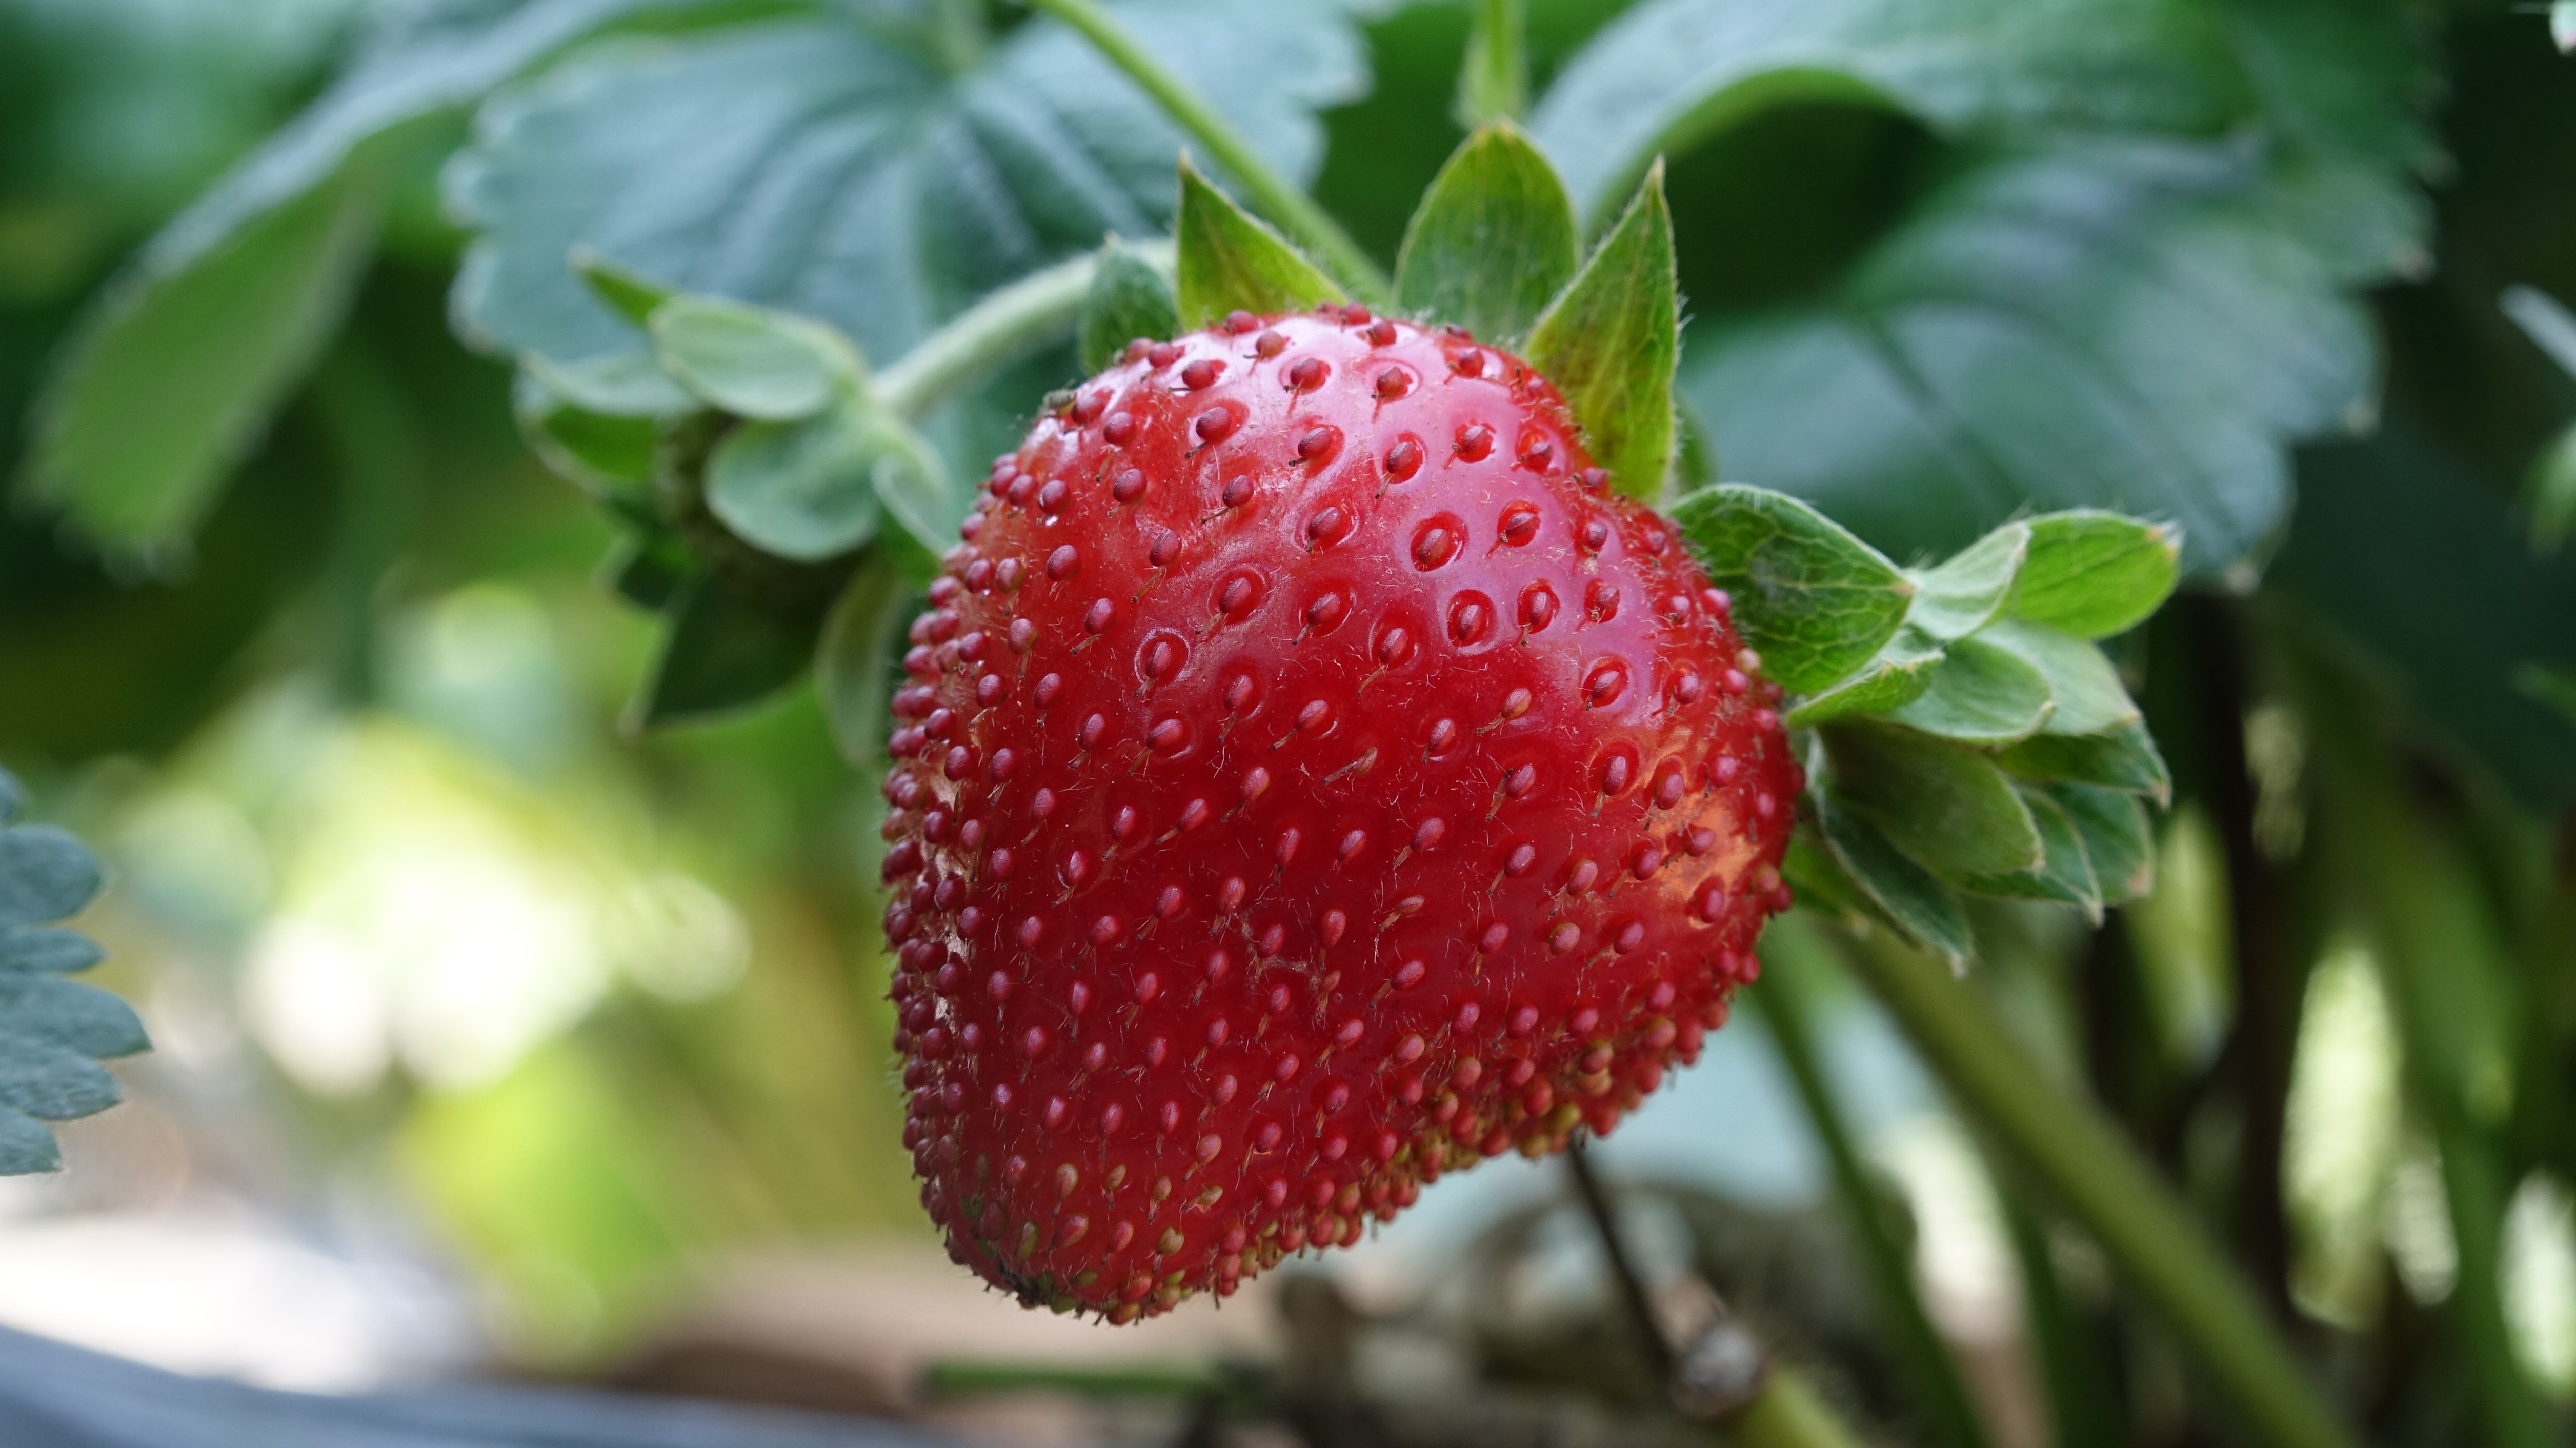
(2063, 874)
(634, 295)
(1130, 297)
(917, 491)
(617, 384)
(595, 449)
(1945, 805)
(1963, 594)
(2090, 697)
(721, 654)
(2123, 759)
(1493, 241)
(1903, 892)
(2117, 840)
(2095, 574)
(47, 951)
(751, 361)
(803, 490)
(855, 660)
(1897, 675)
(1980, 694)
(1816, 601)
(1231, 259)
(175, 378)
(1610, 342)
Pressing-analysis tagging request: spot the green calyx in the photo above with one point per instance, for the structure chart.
(1494, 247)
(1964, 733)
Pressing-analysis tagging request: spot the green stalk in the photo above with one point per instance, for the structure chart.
(1273, 194)
(2080, 1404)
(1005, 325)
(2065, 1144)
(2432, 928)
(1781, 999)
(1787, 1413)
(1493, 85)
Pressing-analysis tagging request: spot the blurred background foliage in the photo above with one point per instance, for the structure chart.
(297, 628)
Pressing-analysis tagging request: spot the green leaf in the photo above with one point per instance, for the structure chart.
(722, 654)
(1130, 297)
(1231, 259)
(1610, 341)
(51, 1082)
(2550, 490)
(1493, 241)
(1904, 893)
(1980, 694)
(889, 190)
(2117, 840)
(622, 384)
(916, 489)
(1669, 73)
(26, 1146)
(49, 952)
(2415, 563)
(634, 295)
(45, 875)
(648, 569)
(1947, 806)
(173, 380)
(71, 1015)
(2095, 574)
(2090, 697)
(2063, 874)
(803, 490)
(2123, 759)
(855, 663)
(2104, 323)
(1815, 601)
(1963, 594)
(1894, 677)
(751, 361)
(596, 449)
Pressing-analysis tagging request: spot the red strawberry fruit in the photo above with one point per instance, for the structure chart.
(1309, 781)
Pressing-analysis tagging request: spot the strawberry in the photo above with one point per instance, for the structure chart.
(1308, 781)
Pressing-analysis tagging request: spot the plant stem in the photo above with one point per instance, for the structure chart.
(1942, 1397)
(1642, 1323)
(2099, 1179)
(1493, 84)
(1004, 325)
(1275, 195)
(1789, 1414)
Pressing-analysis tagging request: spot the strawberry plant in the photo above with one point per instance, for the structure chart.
(1385, 570)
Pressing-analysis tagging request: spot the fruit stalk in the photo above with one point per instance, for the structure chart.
(990, 333)
(1282, 200)
(2065, 1144)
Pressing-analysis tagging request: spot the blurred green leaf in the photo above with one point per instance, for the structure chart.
(2101, 323)
(2094, 573)
(1964, 593)
(1610, 340)
(45, 875)
(1232, 260)
(51, 1082)
(1493, 241)
(647, 569)
(2063, 874)
(634, 295)
(889, 192)
(176, 375)
(802, 490)
(855, 663)
(1815, 601)
(2124, 759)
(2118, 843)
(595, 448)
(2089, 695)
(751, 361)
(52, 952)
(71, 1015)
(916, 489)
(1493, 80)
(1130, 297)
(2551, 492)
(624, 384)
(722, 653)
(1920, 906)
(1980, 694)
(1945, 805)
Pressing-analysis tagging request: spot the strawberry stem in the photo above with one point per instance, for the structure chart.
(1001, 327)
(1493, 85)
(1283, 200)
(2066, 1145)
